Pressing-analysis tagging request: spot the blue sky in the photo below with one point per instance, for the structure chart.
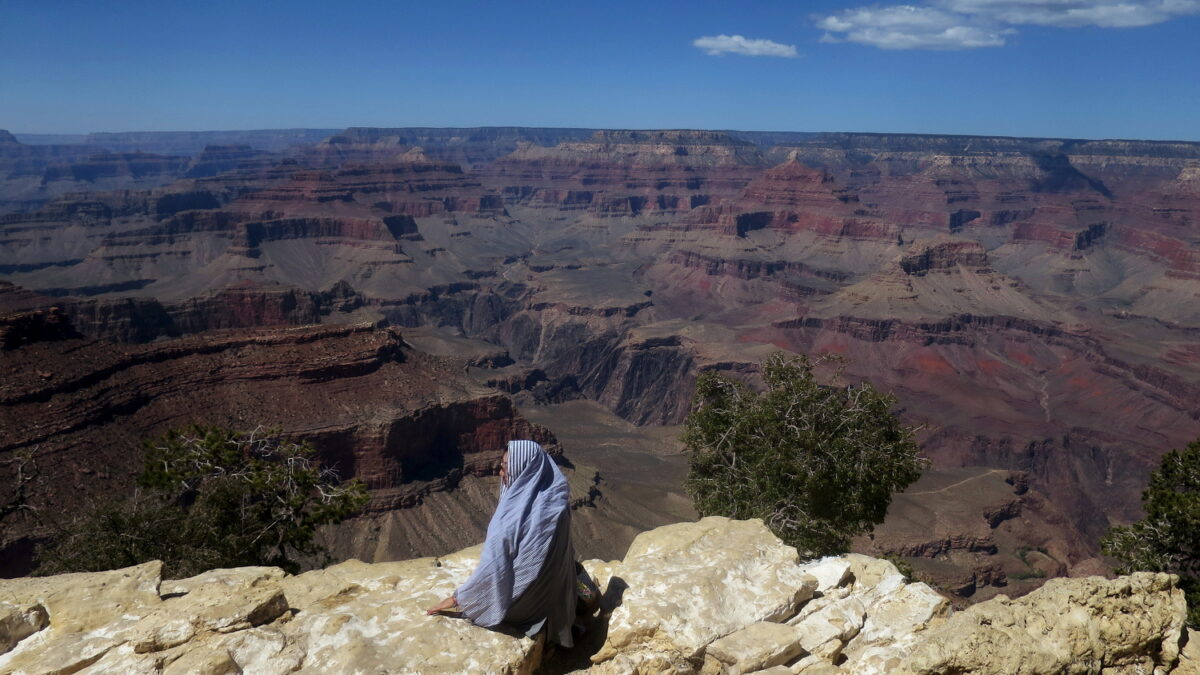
(1074, 68)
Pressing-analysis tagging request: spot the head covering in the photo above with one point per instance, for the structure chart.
(519, 537)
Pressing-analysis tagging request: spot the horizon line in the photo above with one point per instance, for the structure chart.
(579, 128)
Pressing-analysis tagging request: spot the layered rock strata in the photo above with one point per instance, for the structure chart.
(976, 532)
(405, 423)
(1031, 302)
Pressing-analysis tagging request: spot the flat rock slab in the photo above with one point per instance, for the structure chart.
(690, 583)
(755, 647)
(371, 618)
(351, 617)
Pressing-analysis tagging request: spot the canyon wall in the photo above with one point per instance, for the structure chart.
(405, 423)
(1033, 303)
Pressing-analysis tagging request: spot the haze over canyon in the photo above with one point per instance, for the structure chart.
(407, 299)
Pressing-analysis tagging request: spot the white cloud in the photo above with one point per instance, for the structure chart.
(909, 27)
(964, 24)
(1075, 13)
(715, 45)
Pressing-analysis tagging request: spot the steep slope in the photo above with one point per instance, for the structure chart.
(405, 423)
(1034, 303)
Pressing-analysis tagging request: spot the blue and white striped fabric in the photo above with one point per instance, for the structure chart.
(519, 535)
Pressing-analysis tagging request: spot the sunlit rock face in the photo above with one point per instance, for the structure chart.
(714, 597)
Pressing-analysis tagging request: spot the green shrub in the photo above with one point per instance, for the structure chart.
(211, 497)
(1168, 538)
(902, 566)
(818, 464)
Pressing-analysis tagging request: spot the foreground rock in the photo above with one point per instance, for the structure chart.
(713, 597)
(1069, 625)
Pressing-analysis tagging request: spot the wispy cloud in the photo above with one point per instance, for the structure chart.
(967, 24)
(715, 45)
(1075, 13)
(908, 27)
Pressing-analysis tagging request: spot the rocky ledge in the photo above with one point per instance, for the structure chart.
(714, 596)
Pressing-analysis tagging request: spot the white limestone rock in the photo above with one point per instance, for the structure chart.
(90, 613)
(1189, 655)
(18, 622)
(213, 608)
(868, 572)
(645, 663)
(830, 572)
(839, 620)
(691, 583)
(235, 577)
(757, 646)
(603, 573)
(87, 601)
(713, 597)
(204, 662)
(815, 665)
(895, 613)
(371, 618)
(1086, 625)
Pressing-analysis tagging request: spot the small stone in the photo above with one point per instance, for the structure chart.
(830, 572)
(204, 662)
(18, 622)
(815, 665)
(841, 621)
(868, 571)
(1189, 656)
(829, 651)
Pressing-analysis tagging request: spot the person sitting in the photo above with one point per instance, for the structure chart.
(526, 575)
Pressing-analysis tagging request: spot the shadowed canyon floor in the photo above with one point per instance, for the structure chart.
(1033, 303)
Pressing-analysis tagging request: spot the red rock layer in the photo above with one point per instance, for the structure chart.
(404, 422)
(415, 188)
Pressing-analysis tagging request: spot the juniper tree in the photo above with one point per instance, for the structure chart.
(212, 497)
(1168, 538)
(817, 463)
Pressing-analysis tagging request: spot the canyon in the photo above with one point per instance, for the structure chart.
(406, 299)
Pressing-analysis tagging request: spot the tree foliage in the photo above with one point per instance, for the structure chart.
(1168, 538)
(212, 497)
(818, 464)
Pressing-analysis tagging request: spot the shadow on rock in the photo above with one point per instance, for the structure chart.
(557, 660)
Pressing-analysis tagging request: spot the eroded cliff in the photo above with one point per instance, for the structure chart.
(404, 422)
(1032, 302)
